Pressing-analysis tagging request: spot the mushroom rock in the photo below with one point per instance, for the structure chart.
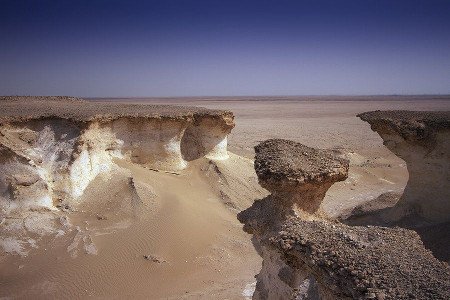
(422, 140)
(53, 147)
(307, 256)
(297, 175)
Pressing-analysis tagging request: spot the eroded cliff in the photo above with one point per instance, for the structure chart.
(308, 256)
(422, 140)
(51, 148)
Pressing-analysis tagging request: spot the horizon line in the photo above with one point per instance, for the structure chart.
(236, 96)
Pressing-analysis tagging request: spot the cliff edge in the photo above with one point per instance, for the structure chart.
(422, 140)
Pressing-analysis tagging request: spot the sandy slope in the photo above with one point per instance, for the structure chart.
(185, 222)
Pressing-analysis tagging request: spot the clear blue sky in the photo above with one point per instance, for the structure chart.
(226, 47)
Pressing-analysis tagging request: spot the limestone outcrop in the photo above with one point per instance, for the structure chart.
(308, 256)
(51, 148)
(422, 140)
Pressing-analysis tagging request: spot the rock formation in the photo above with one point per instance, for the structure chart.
(307, 256)
(422, 140)
(298, 175)
(51, 148)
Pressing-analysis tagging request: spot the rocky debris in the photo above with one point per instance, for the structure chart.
(306, 256)
(422, 140)
(154, 258)
(101, 217)
(135, 196)
(364, 262)
(64, 221)
(19, 234)
(82, 240)
(64, 207)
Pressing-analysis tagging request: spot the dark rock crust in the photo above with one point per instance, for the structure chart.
(363, 262)
(24, 108)
(414, 126)
(405, 118)
(278, 160)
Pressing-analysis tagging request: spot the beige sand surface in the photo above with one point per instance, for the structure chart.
(185, 223)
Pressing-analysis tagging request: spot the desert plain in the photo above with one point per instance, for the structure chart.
(175, 234)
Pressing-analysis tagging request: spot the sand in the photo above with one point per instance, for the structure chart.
(192, 236)
(185, 222)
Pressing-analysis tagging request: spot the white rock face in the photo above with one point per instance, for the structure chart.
(34, 163)
(154, 142)
(46, 161)
(205, 138)
(277, 280)
(219, 152)
(97, 146)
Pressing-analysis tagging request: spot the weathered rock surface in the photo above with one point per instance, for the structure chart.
(51, 148)
(364, 262)
(298, 174)
(422, 140)
(306, 256)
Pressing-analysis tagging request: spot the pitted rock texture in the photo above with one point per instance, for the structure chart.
(422, 140)
(53, 147)
(364, 262)
(283, 160)
(303, 173)
(22, 108)
(417, 127)
(308, 257)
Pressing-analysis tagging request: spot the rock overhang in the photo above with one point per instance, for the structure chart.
(280, 162)
(408, 118)
(422, 140)
(419, 127)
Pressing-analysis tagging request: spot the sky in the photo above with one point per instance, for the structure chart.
(112, 48)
